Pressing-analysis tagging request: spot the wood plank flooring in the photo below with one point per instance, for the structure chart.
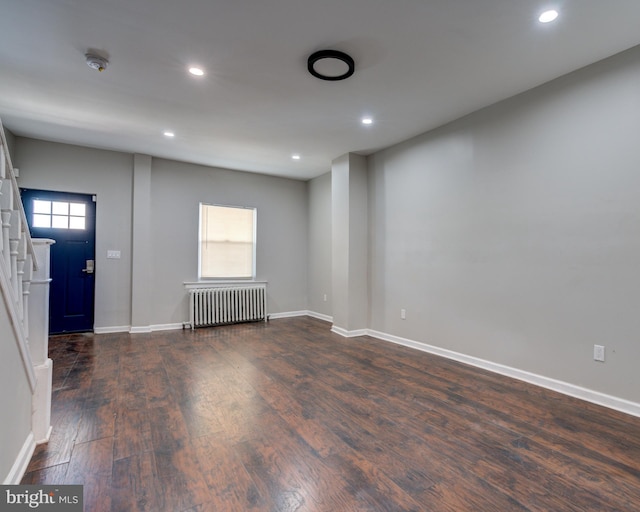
(287, 416)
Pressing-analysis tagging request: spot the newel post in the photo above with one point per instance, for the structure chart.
(38, 318)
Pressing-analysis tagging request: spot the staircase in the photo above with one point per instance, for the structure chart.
(24, 317)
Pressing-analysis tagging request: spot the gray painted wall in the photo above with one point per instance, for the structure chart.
(108, 175)
(15, 399)
(350, 247)
(509, 235)
(142, 297)
(340, 240)
(176, 189)
(11, 143)
(319, 281)
(281, 229)
(512, 235)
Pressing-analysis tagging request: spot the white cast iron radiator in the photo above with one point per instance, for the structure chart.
(217, 306)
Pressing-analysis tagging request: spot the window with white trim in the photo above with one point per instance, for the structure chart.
(227, 242)
(59, 214)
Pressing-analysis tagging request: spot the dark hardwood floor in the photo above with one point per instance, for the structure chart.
(287, 416)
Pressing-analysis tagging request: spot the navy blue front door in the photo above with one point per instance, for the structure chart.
(69, 219)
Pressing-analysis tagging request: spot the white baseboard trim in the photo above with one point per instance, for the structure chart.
(612, 402)
(349, 334)
(286, 314)
(140, 329)
(178, 326)
(111, 330)
(46, 437)
(320, 316)
(292, 314)
(22, 461)
(167, 327)
(41, 402)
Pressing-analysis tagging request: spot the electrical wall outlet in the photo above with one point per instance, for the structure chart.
(403, 314)
(598, 353)
(325, 297)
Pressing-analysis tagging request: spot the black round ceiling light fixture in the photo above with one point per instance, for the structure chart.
(331, 65)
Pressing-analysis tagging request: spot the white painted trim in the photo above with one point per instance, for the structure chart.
(596, 397)
(9, 304)
(41, 281)
(291, 314)
(286, 314)
(232, 283)
(340, 331)
(140, 329)
(110, 330)
(168, 327)
(349, 334)
(320, 316)
(46, 437)
(40, 241)
(41, 402)
(22, 461)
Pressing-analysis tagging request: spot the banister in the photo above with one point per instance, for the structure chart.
(10, 289)
(16, 193)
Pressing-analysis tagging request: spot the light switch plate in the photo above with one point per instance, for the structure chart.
(113, 255)
(598, 353)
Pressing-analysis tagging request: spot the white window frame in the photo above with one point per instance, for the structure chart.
(50, 214)
(254, 244)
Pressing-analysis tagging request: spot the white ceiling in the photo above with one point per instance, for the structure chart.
(419, 64)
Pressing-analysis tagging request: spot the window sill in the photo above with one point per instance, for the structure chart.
(221, 283)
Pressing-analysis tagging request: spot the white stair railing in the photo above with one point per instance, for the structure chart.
(18, 266)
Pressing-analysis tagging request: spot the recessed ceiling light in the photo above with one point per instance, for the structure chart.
(169, 134)
(295, 157)
(196, 71)
(367, 120)
(548, 16)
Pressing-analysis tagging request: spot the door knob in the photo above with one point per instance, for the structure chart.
(89, 267)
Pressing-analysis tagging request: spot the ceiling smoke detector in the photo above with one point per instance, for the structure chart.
(96, 61)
